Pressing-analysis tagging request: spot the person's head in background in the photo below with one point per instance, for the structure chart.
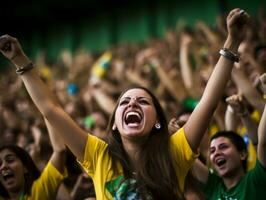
(17, 171)
(96, 123)
(228, 154)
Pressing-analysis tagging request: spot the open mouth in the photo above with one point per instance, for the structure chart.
(8, 175)
(220, 162)
(133, 117)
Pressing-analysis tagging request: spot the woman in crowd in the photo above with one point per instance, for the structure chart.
(138, 160)
(20, 179)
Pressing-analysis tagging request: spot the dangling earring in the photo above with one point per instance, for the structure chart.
(114, 127)
(157, 125)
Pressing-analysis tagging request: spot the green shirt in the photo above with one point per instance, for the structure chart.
(251, 186)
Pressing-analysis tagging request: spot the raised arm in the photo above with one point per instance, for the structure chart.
(244, 86)
(200, 118)
(261, 149)
(43, 97)
(237, 107)
(185, 64)
(59, 148)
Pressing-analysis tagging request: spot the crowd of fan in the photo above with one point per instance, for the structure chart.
(176, 68)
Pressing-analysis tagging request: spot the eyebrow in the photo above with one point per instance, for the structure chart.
(136, 98)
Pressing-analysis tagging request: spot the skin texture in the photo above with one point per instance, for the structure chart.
(135, 100)
(223, 149)
(10, 163)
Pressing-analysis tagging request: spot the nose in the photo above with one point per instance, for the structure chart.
(133, 101)
(3, 165)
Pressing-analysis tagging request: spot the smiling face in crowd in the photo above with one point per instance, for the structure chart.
(135, 115)
(225, 157)
(11, 171)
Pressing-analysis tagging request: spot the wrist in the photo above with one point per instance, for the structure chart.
(20, 61)
(231, 44)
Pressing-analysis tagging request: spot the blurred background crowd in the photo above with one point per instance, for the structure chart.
(175, 67)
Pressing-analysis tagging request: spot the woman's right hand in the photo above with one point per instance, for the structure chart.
(237, 21)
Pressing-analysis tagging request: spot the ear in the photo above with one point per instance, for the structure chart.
(157, 125)
(243, 155)
(114, 127)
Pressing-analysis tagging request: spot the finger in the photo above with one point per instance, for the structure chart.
(3, 41)
(233, 12)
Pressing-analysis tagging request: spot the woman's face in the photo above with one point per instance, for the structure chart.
(11, 171)
(135, 115)
(225, 158)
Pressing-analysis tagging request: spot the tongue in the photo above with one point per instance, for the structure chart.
(132, 119)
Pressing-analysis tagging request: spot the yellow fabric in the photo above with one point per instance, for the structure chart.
(46, 186)
(252, 154)
(183, 155)
(97, 162)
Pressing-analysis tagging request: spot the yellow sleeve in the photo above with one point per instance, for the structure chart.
(182, 154)
(93, 150)
(46, 186)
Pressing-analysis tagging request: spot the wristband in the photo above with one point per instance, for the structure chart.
(229, 55)
(24, 69)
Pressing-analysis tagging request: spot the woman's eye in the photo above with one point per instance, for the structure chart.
(123, 102)
(10, 160)
(143, 102)
(212, 151)
(223, 147)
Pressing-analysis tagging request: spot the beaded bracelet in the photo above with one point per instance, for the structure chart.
(229, 55)
(24, 69)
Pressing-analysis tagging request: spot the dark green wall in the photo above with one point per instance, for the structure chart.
(97, 25)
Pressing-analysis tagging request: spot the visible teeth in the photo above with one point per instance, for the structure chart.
(132, 117)
(7, 173)
(132, 113)
(220, 161)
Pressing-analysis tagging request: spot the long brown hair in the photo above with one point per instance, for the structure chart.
(32, 174)
(156, 173)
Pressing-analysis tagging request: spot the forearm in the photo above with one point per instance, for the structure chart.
(58, 159)
(220, 75)
(171, 85)
(230, 119)
(245, 87)
(201, 171)
(57, 143)
(186, 68)
(200, 118)
(104, 101)
(38, 91)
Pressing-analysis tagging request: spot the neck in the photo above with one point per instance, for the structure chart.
(231, 181)
(15, 195)
(132, 149)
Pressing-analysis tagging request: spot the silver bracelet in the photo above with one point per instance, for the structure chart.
(24, 69)
(229, 55)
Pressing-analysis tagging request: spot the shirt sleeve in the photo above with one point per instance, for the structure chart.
(183, 155)
(93, 150)
(46, 186)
